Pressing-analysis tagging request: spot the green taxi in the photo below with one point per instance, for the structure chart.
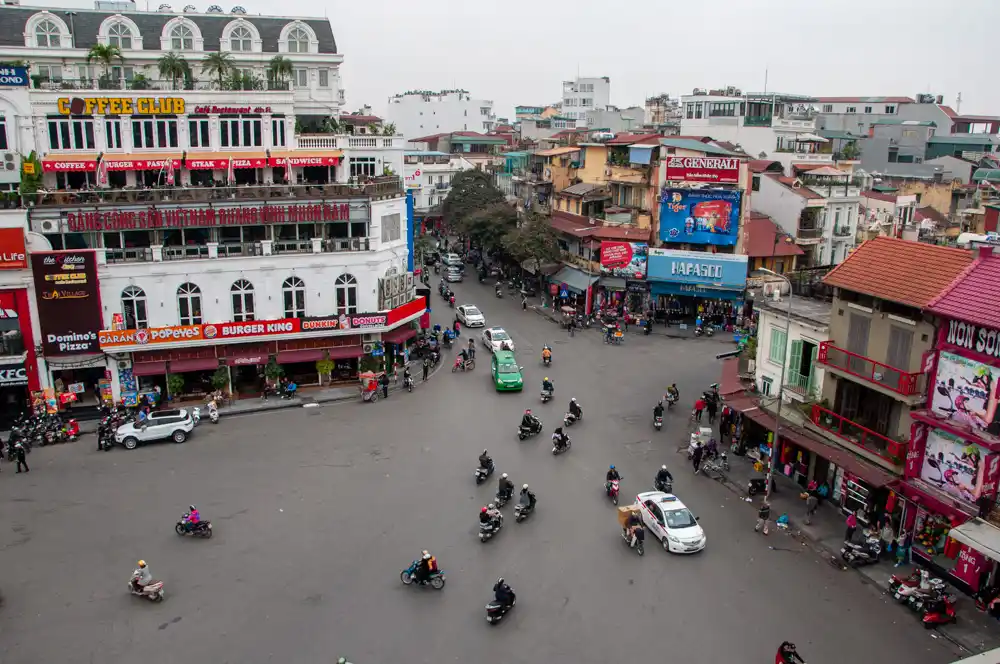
(506, 373)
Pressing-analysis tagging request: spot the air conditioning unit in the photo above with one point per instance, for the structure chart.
(124, 365)
(8, 156)
(369, 338)
(368, 348)
(50, 225)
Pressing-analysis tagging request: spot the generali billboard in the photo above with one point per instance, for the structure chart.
(720, 170)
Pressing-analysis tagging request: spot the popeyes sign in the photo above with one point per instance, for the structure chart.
(722, 170)
(215, 332)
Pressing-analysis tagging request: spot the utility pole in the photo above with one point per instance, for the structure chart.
(958, 103)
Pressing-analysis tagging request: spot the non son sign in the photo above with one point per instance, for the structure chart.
(983, 340)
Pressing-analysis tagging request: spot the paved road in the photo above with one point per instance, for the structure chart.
(317, 510)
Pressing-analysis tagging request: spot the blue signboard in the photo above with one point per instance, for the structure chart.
(696, 272)
(13, 77)
(563, 293)
(700, 216)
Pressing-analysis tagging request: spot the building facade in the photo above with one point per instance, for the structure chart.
(585, 94)
(428, 177)
(423, 112)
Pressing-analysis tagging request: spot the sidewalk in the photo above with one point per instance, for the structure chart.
(659, 330)
(974, 630)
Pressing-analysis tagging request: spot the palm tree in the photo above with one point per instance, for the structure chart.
(173, 66)
(105, 54)
(279, 68)
(218, 64)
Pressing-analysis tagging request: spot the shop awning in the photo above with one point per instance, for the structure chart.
(249, 160)
(57, 163)
(577, 280)
(303, 355)
(155, 163)
(206, 161)
(246, 358)
(180, 366)
(613, 283)
(345, 352)
(399, 335)
(982, 536)
(149, 368)
(302, 158)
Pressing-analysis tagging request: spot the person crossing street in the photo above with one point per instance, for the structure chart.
(21, 461)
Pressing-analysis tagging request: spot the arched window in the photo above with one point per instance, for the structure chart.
(347, 294)
(47, 34)
(134, 308)
(120, 35)
(241, 39)
(189, 304)
(294, 293)
(181, 38)
(298, 41)
(242, 294)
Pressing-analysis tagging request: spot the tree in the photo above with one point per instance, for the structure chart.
(488, 227)
(279, 68)
(851, 151)
(173, 67)
(105, 54)
(218, 64)
(331, 126)
(533, 241)
(389, 130)
(423, 246)
(471, 190)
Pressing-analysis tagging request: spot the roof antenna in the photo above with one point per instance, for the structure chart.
(958, 103)
(765, 79)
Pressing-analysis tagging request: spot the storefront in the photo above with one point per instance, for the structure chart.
(623, 276)
(686, 285)
(189, 361)
(570, 287)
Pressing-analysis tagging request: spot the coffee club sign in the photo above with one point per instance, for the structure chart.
(984, 340)
(120, 106)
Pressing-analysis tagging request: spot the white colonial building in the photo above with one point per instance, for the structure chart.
(422, 112)
(790, 342)
(583, 95)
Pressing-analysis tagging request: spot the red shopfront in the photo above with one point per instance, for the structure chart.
(18, 361)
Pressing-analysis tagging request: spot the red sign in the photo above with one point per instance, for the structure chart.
(12, 253)
(241, 215)
(624, 259)
(261, 328)
(56, 166)
(723, 170)
(113, 164)
(249, 163)
(304, 161)
(206, 164)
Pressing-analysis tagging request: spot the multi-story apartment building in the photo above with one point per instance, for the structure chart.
(585, 94)
(480, 149)
(423, 112)
(857, 115)
(428, 177)
(769, 125)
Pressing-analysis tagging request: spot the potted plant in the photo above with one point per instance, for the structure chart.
(139, 82)
(220, 379)
(175, 385)
(273, 371)
(325, 368)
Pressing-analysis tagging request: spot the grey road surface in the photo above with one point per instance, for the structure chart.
(317, 510)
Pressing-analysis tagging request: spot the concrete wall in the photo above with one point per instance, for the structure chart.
(778, 202)
(797, 331)
(440, 114)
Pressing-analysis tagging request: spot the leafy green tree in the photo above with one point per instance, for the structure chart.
(105, 54)
(279, 68)
(389, 130)
(173, 66)
(488, 227)
(218, 64)
(471, 191)
(534, 240)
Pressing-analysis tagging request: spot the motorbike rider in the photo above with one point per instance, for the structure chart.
(787, 654)
(547, 385)
(502, 593)
(141, 577)
(663, 475)
(484, 515)
(498, 289)
(529, 496)
(494, 514)
(463, 357)
(559, 438)
(658, 409)
(673, 393)
(193, 517)
(425, 567)
(611, 475)
(505, 488)
(546, 353)
(528, 421)
(484, 460)
(406, 375)
(636, 533)
(574, 408)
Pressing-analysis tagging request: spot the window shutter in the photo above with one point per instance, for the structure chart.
(811, 386)
(796, 359)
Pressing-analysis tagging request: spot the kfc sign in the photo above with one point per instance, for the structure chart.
(12, 375)
(720, 170)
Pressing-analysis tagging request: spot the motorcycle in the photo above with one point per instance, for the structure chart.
(495, 611)
(666, 486)
(710, 331)
(638, 543)
(671, 400)
(499, 292)
(858, 555)
(483, 473)
(153, 591)
(570, 419)
(446, 342)
(524, 432)
(546, 361)
(522, 511)
(940, 611)
(196, 415)
(926, 586)
(557, 450)
(408, 577)
(546, 396)
(213, 415)
(408, 383)
(488, 530)
(501, 499)
(200, 529)
(759, 485)
(657, 422)
(896, 582)
(611, 488)
(921, 599)
(451, 301)
(468, 365)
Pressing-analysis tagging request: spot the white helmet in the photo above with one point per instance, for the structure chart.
(504, 476)
(663, 467)
(573, 399)
(525, 487)
(490, 506)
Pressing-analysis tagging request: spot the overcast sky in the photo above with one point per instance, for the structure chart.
(519, 51)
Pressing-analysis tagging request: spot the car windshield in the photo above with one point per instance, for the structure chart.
(471, 311)
(681, 518)
(499, 335)
(508, 367)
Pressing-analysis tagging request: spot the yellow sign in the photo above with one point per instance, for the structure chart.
(29, 167)
(121, 106)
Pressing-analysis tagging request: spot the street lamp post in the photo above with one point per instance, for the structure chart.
(781, 385)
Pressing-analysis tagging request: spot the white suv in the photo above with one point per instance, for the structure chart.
(159, 425)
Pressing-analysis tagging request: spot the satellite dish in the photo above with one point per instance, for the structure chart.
(164, 8)
(188, 9)
(237, 10)
(214, 9)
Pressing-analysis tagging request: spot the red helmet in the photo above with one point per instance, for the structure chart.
(483, 510)
(527, 411)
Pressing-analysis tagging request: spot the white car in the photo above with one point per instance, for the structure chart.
(471, 316)
(159, 425)
(495, 338)
(452, 260)
(671, 522)
(452, 274)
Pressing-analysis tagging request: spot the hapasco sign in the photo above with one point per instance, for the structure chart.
(120, 106)
(241, 215)
(697, 268)
(983, 340)
(723, 170)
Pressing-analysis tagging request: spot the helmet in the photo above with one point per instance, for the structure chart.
(612, 467)
(500, 581)
(427, 556)
(663, 467)
(491, 506)
(483, 510)
(192, 508)
(141, 563)
(527, 411)
(546, 379)
(525, 487)
(504, 476)
(485, 452)
(573, 399)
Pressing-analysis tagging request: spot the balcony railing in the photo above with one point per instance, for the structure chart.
(843, 231)
(891, 378)
(138, 84)
(349, 141)
(893, 451)
(809, 232)
(442, 185)
(757, 121)
(380, 186)
(798, 383)
(233, 250)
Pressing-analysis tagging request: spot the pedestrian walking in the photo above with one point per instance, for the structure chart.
(902, 549)
(472, 348)
(19, 451)
(524, 303)
(699, 406)
(852, 525)
(384, 382)
(572, 327)
(627, 317)
(458, 328)
(812, 504)
(696, 457)
(713, 408)
(427, 367)
(763, 515)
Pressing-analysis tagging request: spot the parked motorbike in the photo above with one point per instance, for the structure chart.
(759, 485)
(546, 396)
(523, 432)
(483, 473)
(859, 555)
(153, 591)
(698, 331)
(408, 577)
(468, 365)
(926, 586)
(498, 292)
(488, 530)
(200, 529)
(611, 489)
(213, 415)
(495, 611)
(940, 611)
(640, 537)
(921, 599)
(896, 582)
(196, 415)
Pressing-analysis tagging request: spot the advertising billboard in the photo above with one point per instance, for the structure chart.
(69, 304)
(13, 255)
(952, 465)
(624, 259)
(721, 170)
(698, 268)
(966, 392)
(700, 216)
